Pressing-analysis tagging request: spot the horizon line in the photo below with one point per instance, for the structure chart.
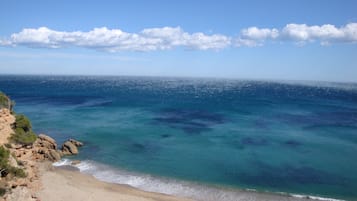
(186, 77)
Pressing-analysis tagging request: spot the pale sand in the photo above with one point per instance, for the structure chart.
(64, 185)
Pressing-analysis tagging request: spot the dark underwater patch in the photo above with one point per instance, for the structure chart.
(250, 141)
(165, 135)
(137, 148)
(190, 121)
(245, 142)
(292, 143)
(146, 147)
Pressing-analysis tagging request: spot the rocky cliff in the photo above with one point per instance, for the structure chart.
(20, 159)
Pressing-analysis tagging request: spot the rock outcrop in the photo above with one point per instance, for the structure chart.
(23, 158)
(54, 155)
(76, 143)
(68, 148)
(45, 148)
(47, 141)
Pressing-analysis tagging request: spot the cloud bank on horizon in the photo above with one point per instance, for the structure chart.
(166, 38)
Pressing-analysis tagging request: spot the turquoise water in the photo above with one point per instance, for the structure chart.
(290, 137)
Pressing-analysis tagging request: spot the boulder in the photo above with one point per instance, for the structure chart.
(68, 148)
(54, 155)
(76, 143)
(46, 138)
(60, 152)
(48, 145)
(42, 150)
(47, 141)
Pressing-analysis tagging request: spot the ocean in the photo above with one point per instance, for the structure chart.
(202, 138)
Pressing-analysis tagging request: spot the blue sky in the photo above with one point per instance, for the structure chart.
(289, 40)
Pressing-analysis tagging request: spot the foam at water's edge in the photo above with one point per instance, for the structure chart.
(167, 186)
(314, 197)
(62, 162)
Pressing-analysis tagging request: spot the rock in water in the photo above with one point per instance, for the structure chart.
(76, 143)
(45, 148)
(47, 141)
(68, 148)
(46, 138)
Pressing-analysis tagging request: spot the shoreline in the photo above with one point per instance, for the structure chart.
(63, 184)
(192, 191)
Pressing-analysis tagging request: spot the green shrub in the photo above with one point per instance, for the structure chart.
(23, 131)
(5, 167)
(4, 101)
(23, 122)
(7, 145)
(17, 172)
(4, 157)
(24, 138)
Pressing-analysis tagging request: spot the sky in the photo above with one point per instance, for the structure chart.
(243, 39)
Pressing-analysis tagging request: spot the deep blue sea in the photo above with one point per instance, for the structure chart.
(195, 136)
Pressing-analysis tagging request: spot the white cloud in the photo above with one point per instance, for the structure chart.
(325, 34)
(300, 34)
(259, 34)
(253, 36)
(170, 37)
(114, 40)
(165, 38)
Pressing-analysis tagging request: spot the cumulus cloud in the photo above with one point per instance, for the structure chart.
(325, 34)
(299, 33)
(166, 38)
(114, 40)
(253, 36)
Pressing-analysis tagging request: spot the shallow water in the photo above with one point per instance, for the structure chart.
(271, 136)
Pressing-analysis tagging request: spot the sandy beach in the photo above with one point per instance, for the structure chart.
(60, 184)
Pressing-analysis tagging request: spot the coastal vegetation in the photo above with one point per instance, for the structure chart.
(6, 168)
(23, 131)
(22, 127)
(22, 134)
(6, 102)
(20, 148)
